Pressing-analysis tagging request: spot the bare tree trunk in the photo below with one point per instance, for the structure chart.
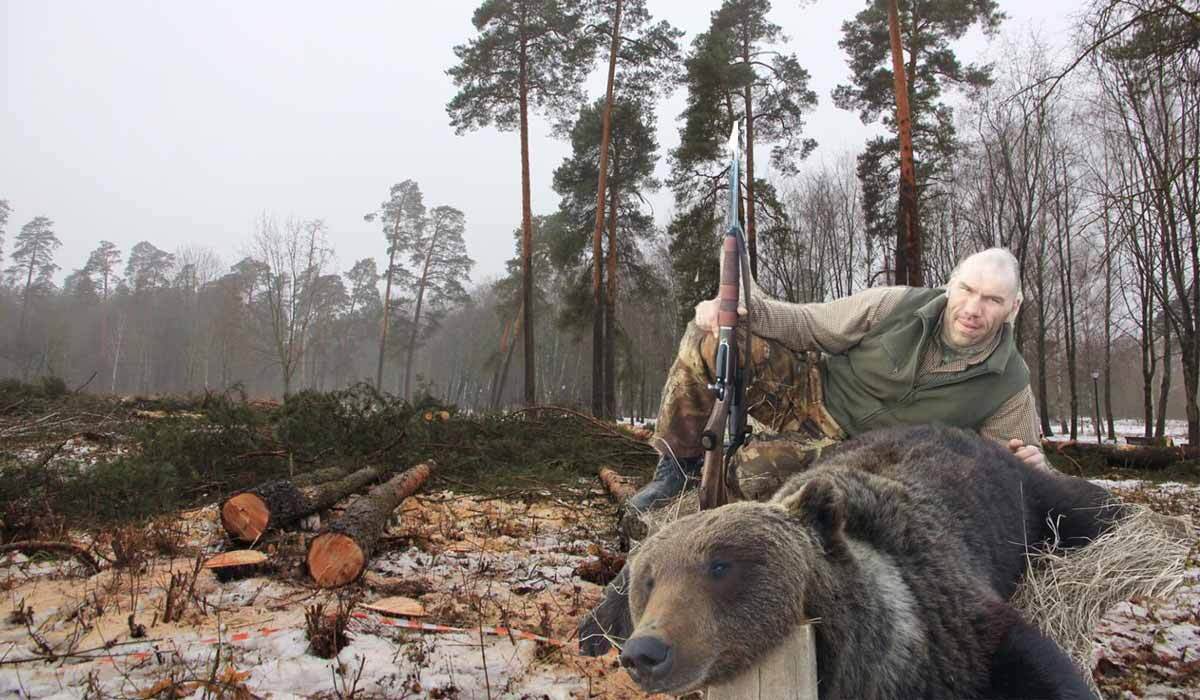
(1149, 358)
(598, 229)
(610, 305)
(530, 394)
(1062, 221)
(502, 375)
(751, 228)
(1042, 329)
(1108, 255)
(1164, 387)
(908, 237)
(387, 300)
(412, 338)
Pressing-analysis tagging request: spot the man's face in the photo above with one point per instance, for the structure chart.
(981, 297)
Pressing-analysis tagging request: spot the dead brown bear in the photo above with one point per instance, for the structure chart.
(902, 547)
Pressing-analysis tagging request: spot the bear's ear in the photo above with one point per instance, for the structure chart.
(820, 505)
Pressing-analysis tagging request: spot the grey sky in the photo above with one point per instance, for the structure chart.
(179, 123)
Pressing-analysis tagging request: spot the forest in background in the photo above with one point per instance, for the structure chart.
(1087, 170)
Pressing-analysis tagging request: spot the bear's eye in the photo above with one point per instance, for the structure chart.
(718, 568)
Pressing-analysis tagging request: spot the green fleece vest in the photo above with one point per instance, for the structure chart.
(873, 384)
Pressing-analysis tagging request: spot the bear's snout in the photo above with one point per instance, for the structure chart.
(647, 658)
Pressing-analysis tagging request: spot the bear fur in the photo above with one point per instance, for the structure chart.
(901, 547)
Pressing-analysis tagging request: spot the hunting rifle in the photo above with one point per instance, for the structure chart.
(718, 483)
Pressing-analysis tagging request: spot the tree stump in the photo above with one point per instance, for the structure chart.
(339, 554)
(788, 673)
(247, 515)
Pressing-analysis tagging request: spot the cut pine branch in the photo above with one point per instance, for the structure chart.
(339, 554)
(247, 515)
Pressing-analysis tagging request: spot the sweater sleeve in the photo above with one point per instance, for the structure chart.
(831, 327)
(1016, 418)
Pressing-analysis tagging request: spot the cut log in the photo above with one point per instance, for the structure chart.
(617, 486)
(1135, 456)
(247, 515)
(339, 554)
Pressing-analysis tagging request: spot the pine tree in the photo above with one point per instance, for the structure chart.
(648, 61)
(148, 266)
(527, 52)
(632, 157)
(736, 72)
(33, 259)
(402, 215)
(927, 28)
(438, 255)
(103, 261)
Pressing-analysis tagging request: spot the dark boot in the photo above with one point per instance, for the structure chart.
(670, 479)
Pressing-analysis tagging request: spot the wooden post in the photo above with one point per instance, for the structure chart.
(789, 673)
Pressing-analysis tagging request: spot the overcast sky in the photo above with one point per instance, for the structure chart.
(180, 123)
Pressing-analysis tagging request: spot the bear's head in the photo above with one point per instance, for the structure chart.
(713, 593)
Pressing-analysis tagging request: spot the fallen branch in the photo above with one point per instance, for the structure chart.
(616, 485)
(1136, 456)
(83, 386)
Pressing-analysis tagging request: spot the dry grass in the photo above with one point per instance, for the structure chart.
(1066, 593)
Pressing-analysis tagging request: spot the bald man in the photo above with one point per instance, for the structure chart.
(884, 356)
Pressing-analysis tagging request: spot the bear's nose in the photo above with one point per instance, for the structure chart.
(647, 657)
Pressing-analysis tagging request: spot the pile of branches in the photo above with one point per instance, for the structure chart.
(158, 455)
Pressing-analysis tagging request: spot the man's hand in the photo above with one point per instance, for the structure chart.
(706, 315)
(1028, 454)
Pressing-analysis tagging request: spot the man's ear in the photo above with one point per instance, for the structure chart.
(1016, 309)
(820, 505)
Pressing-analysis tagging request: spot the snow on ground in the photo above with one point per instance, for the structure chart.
(498, 575)
(1124, 427)
(475, 565)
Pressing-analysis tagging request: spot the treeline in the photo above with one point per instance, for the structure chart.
(1087, 169)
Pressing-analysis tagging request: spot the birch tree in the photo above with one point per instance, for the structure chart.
(294, 257)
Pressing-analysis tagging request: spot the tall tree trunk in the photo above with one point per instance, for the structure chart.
(1066, 274)
(1149, 358)
(412, 338)
(1042, 330)
(1164, 387)
(598, 229)
(751, 228)
(908, 235)
(502, 374)
(1108, 253)
(1191, 380)
(610, 304)
(387, 299)
(530, 394)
